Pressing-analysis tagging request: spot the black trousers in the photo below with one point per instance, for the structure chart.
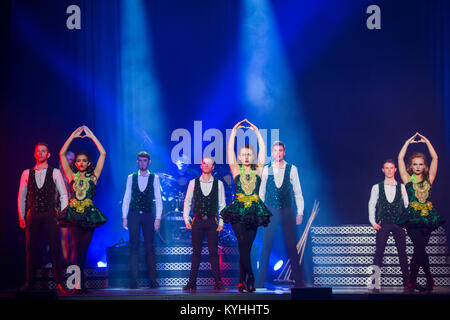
(420, 238)
(35, 224)
(245, 237)
(400, 242)
(146, 221)
(80, 240)
(286, 217)
(200, 228)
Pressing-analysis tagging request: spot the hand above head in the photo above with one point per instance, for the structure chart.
(422, 138)
(77, 133)
(252, 126)
(88, 132)
(239, 125)
(412, 139)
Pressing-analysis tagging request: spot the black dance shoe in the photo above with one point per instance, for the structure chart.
(61, 291)
(251, 283)
(154, 284)
(219, 286)
(415, 286)
(242, 287)
(191, 286)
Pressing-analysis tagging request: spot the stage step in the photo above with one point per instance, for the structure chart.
(342, 255)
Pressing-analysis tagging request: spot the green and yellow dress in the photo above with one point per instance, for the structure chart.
(247, 208)
(81, 211)
(421, 212)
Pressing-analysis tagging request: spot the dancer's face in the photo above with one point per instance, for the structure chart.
(41, 153)
(143, 163)
(389, 170)
(278, 153)
(418, 165)
(246, 156)
(207, 165)
(82, 163)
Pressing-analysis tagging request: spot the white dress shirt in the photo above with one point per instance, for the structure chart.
(39, 176)
(389, 190)
(278, 177)
(206, 189)
(142, 184)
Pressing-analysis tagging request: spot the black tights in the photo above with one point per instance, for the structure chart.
(81, 239)
(245, 237)
(420, 238)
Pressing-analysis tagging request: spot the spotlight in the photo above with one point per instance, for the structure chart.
(101, 264)
(278, 265)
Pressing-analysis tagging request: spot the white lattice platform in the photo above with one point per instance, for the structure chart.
(342, 256)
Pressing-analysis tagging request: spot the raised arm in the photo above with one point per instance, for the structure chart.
(401, 160)
(232, 161)
(261, 148)
(101, 150)
(434, 158)
(62, 153)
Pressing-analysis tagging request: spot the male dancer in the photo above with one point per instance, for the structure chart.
(386, 203)
(205, 194)
(137, 210)
(37, 206)
(279, 185)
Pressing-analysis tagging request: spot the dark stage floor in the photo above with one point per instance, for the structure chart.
(206, 293)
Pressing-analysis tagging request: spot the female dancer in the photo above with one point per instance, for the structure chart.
(82, 216)
(247, 211)
(420, 218)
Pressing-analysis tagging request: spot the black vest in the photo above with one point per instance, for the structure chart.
(387, 212)
(282, 197)
(43, 199)
(142, 201)
(205, 205)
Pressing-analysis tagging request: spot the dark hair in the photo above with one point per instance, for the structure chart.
(45, 144)
(143, 154)
(389, 161)
(426, 170)
(279, 143)
(90, 169)
(250, 147)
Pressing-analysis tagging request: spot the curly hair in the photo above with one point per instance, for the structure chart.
(426, 171)
(90, 169)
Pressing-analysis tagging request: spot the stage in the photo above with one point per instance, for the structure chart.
(207, 293)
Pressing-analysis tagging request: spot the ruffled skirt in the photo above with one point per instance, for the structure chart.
(248, 210)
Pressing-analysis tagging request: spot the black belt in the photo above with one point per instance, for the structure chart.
(204, 216)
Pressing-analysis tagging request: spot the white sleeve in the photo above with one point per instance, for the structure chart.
(222, 202)
(405, 196)
(21, 199)
(61, 186)
(127, 198)
(262, 187)
(188, 200)
(295, 181)
(372, 204)
(157, 191)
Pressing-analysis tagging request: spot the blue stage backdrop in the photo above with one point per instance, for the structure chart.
(344, 98)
